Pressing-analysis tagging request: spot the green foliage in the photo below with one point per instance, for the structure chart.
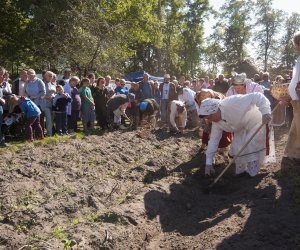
(269, 22)
(286, 51)
(235, 31)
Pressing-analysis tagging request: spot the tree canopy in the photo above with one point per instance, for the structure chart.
(158, 36)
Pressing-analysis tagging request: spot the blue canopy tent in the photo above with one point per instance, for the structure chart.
(138, 76)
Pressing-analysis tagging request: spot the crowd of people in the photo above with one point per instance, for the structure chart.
(53, 106)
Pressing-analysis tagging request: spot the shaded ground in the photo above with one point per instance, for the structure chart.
(124, 190)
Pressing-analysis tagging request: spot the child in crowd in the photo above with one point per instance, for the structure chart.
(60, 103)
(75, 104)
(32, 113)
(88, 106)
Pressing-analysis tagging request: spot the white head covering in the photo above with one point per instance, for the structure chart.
(240, 78)
(209, 106)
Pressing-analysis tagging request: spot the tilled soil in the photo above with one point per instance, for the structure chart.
(139, 190)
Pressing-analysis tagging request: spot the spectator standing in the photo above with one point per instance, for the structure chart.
(265, 84)
(18, 87)
(46, 103)
(205, 83)
(100, 96)
(221, 85)
(168, 94)
(256, 78)
(2, 102)
(60, 103)
(5, 85)
(181, 80)
(146, 87)
(156, 92)
(75, 104)
(35, 90)
(108, 86)
(67, 89)
(87, 106)
(66, 76)
(92, 78)
(121, 88)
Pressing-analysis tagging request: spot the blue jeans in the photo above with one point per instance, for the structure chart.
(1, 120)
(49, 120)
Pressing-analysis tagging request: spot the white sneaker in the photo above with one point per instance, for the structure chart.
(122, 127)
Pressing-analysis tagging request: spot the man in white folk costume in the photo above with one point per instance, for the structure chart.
(292, 149)
(241, 115)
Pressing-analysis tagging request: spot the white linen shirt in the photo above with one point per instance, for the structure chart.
(188, 97)
(295, 79)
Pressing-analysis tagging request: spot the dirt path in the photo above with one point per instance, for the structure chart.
(124, 191)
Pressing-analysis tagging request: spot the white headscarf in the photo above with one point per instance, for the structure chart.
(209, 106)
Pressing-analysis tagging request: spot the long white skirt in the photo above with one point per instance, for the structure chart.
(252, 157)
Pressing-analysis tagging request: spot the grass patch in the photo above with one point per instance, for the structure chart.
(59, 233)
(16, 145)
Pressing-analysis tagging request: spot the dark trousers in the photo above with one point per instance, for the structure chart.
(42, 119)
(102, 119)
(1, 120)
(33, 124)
(72, 119)
(61, 122)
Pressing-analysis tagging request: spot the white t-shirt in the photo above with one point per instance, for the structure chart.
(21, 88)
(165, 93)
(188, 97)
